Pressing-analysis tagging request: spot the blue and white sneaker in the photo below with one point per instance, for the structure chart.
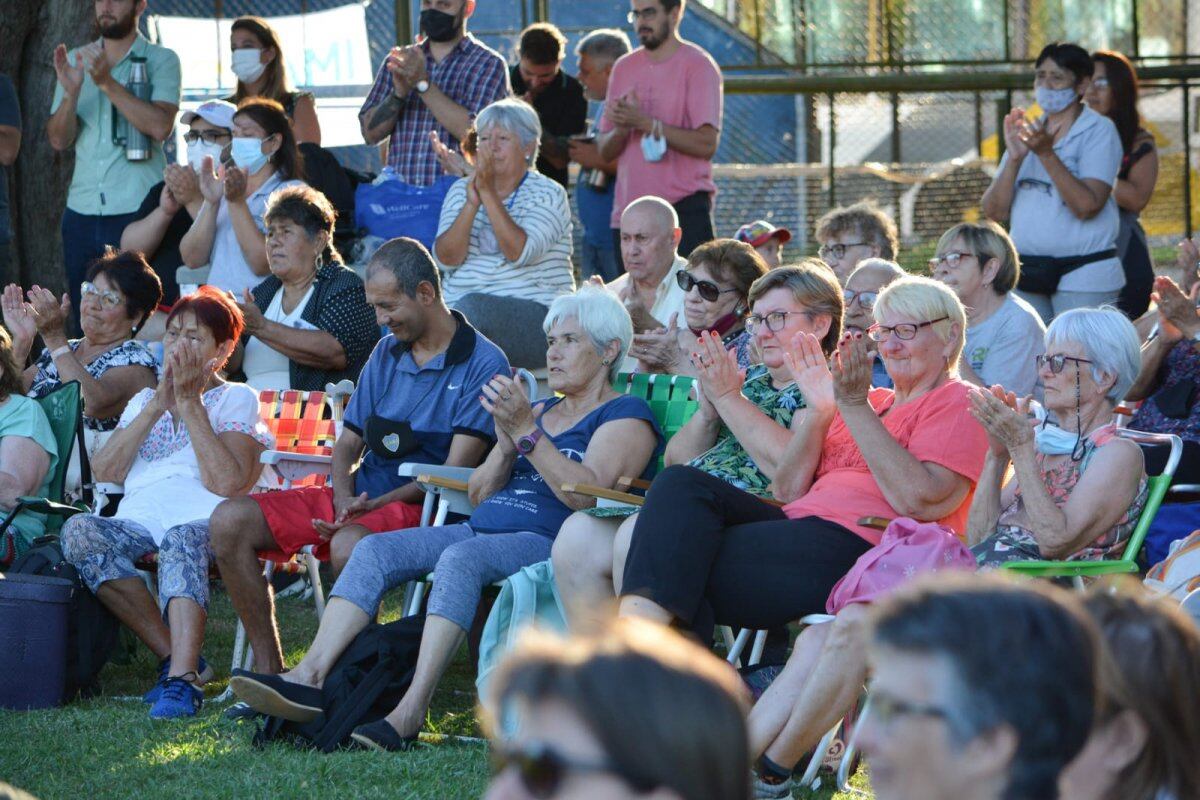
(177, 699)
(151, 696)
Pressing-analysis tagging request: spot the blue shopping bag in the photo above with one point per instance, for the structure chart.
(390, 207)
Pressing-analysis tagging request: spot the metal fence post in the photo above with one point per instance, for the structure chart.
(832, 147)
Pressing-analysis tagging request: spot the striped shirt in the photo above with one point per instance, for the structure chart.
(472, 75)
(543, 271)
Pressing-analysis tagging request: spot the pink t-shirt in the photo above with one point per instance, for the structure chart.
(684, 91)
(936, 427)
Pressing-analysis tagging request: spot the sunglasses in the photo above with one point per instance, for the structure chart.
(707, 289)
(904, 331)
(543, 769)
(1057, 362)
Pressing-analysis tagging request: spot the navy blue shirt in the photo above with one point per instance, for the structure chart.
(10, 115)
(527, 503)
(439, 400)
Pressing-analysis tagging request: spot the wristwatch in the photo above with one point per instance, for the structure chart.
(526, 443)
(422, 87)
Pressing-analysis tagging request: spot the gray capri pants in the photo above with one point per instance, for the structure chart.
(105, 548)
(462, 562)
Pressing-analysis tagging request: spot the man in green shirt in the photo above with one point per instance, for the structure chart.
(107, 188)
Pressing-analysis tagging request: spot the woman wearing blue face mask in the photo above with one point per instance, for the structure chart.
(227, 233)
(256, 58)
(1077, 490)
(1054, 188)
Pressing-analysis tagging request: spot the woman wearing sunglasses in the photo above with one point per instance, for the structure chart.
(979, 263)
(635, 711)
(716, 285)
(1077, 490)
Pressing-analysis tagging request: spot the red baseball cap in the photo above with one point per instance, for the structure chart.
(759, 232)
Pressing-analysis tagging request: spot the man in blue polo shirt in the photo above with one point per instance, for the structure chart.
(417, 401)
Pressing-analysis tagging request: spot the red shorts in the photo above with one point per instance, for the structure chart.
(289, 516)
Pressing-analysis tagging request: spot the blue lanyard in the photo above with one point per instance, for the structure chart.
(512, 198)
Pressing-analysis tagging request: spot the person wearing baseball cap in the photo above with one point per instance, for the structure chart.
(766, 239)
(172, 204)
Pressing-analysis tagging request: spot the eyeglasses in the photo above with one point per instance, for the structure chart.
(951, 260)
(886, 710)
(209, 137)
(904, 331)
(107, 297)
(543, 769)
(866, 300)
(1057, 362)
(646, 14)
(837, 251)
(1100, 83)
(707, 289)
(773, 321)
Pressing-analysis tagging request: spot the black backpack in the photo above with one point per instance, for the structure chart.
(368, 680)
(91, 628)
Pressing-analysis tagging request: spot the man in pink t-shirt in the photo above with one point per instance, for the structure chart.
(662, 121)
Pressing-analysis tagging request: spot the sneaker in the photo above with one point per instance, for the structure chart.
(772, 791)
(151, 697)
(240, 712)
(178, 698)
(272, 695)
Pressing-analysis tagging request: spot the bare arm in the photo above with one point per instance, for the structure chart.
(107, 395)
(155, 119)
(987, 503)
(452, 246)
(23, 466)
(611, 144)
(378, 122)
(229, 463)
(998, 199)
(494, 472)
(1133, 193)
(310, 348)
(620, 447)
(696, 436)
(304, 121)
(195, 248)
(146, 234)
(112, 463)
(63, 126)
(250, 239)
(450, 114)
(10, 144)
(798, 466)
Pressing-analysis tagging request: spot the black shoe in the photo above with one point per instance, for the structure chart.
(271, 694)
(240, 712)
(380, 735)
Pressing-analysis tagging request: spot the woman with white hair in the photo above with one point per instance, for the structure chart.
(704, 551)
(1077, 489)
(586, 434)
(504, 237)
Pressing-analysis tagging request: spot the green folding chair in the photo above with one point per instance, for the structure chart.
(669, 397)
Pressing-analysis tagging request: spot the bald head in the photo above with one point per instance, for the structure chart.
(867, 279)
(653, 210)
(649, 237)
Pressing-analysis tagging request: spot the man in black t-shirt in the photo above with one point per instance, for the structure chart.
(558, 98)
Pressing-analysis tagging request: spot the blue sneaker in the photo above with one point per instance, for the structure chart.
(151, 697)
(178, 698)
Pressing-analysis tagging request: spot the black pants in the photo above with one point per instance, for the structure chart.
(695, 220)
(710, 553)
(1188, 470)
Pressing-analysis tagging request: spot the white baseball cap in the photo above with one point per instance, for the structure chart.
(217, 112)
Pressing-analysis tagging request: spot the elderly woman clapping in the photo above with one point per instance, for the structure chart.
(587, 434)
(1077, 489)
(504, 238)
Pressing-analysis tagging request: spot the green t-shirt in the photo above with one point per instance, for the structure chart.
(21, 416)
(727, 459)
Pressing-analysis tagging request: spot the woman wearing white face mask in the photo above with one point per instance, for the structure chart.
(257, 60)
(1077, 490)
(1054, 187)
(171, 206)
(228, 231)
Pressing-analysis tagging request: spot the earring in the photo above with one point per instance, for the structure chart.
(606, 362)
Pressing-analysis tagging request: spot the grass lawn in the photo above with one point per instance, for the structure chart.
(107, 747)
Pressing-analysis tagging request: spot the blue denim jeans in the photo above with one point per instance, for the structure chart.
(600, 261)
(84, 237)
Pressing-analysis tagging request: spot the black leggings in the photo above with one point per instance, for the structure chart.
(709, 552)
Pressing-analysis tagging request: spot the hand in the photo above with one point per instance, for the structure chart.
(810, 370)
(1038, 136)
(167, 202)
(1176, 311)
(235, 183)
(164, 393)
(625, 112)
(851, 370)
(658, 350)
(585, 154)
(716, 367)
(1189, 265)
(453, 162)
(485, 173)
(394, 64)
(212, 185)
(413, 64)
(1004, 417)
(50, 315)
(191, 373)
(1013, 121)
(506, 401)
(18, 315)
(70, 76)
(642, 319)
(345, 510)
(96, 63)
(183, 182)
(250, 313)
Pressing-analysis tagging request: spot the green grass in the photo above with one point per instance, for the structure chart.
(107, 747)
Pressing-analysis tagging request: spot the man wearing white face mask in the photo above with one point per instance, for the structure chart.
(1054, 189)
(172, 204)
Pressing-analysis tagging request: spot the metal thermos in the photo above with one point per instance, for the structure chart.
(136, 143)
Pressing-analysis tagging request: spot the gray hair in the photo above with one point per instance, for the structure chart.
(1109, 340)
(601, 315)
(607, 44)
(409, 263)
(516, 117)
(883, 265)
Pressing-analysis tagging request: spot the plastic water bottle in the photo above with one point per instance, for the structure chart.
(136, 143)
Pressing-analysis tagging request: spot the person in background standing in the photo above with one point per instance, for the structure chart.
(557, 98)
(438, 85)
(597, 52)
(107, 187)
(10, 145)
(848, 235)
(662, 121)
(257, 60)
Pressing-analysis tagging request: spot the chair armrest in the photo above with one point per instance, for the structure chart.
(43, 505)
(411, 469)
(296, 466)
(878, 523)
(444, 483)
(1070, 569)
(601, 493)
(626, 484)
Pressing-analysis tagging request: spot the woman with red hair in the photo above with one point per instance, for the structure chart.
(179, 449)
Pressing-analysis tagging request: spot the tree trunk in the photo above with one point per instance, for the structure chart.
(29, 32)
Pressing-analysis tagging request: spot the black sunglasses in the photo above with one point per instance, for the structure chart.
(543, 769)
(708, 290)
(1057, 362)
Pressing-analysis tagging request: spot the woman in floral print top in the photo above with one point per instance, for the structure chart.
(738, 433)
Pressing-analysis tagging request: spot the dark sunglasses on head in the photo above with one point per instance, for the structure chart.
(543, 769)
(707, 289)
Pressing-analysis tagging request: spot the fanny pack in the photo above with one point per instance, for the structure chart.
(1041, 274)
(389, 439)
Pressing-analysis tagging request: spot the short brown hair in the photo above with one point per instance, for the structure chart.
(136, 279)
(542, 43)
(868, 221)
(987, 240)
(732, 262)
(814, 286)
